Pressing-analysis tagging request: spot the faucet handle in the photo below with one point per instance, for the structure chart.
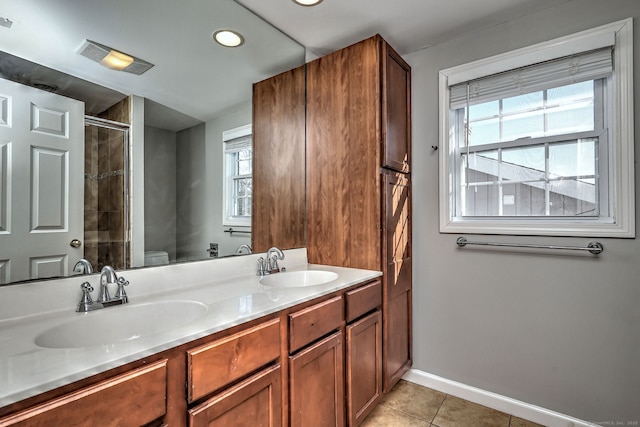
(86, 290)
(121, 294)
(263, 267)
(86, 303)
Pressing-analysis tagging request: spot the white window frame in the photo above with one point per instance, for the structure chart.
(229, 220)
(621, 138)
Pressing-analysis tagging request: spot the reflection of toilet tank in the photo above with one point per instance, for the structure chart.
(156, 258)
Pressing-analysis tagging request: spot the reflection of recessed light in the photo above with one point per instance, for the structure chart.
(307, 2)
(228, 38)
(5, 22)
(116, 60)
(111, 58)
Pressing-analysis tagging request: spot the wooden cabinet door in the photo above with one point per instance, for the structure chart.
(278, 194)
(343, 160)
(131, 399)
(397, 339)
(397, 233)
(364, 367)
(397, 277)
(255, 402)
(396, 110)
(317, 384)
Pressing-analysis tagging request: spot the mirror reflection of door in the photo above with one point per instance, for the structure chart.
(41, 168)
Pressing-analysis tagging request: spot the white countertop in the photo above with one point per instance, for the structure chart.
(27, 369)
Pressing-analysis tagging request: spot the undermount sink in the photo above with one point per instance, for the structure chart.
(123, 323)
(298, 279)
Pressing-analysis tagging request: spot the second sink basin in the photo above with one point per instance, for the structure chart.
(123, 323)
(299, 279)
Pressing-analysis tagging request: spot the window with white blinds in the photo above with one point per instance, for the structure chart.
(237, 145)
(540, 148)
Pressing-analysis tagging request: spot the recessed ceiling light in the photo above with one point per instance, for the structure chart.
(228, 38)
(307, 2)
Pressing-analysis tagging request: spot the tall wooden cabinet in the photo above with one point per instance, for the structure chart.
(358, 198)
(278, 161)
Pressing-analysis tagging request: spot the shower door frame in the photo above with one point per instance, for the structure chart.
(126, 129)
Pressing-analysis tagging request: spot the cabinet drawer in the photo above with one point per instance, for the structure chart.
(313, 322)
(221, 362)
(131, 399)
(363, 300)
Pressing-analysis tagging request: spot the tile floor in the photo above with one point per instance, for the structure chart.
(411, 405)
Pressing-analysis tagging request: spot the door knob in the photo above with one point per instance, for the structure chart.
(75, 243)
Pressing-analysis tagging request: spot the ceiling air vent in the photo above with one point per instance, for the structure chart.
(112, 58)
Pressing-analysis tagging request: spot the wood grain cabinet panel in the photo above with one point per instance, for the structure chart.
(316, 378)
(363, 367)
(132, 399)
(221, 362)
(278, 199)
(311, 323)
(255, 402)
(397, 345)
(396, 104)
(358, 183)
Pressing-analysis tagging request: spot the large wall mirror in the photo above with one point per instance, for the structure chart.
(160, 151)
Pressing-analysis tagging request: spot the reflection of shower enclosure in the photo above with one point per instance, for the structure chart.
(106, 193)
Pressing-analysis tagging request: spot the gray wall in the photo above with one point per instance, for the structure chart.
(556, 330)
(237, 117)
(199, 186)
(191, 189)
(160, 191)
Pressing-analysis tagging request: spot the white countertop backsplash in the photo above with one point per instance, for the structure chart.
(229, 287)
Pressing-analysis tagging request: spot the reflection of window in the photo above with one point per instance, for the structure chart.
(237, 174)
(534, 143)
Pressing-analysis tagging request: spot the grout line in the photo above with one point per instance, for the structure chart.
(407, 414)
(439, 407)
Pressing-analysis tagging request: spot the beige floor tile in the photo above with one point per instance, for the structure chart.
(414, 400)
(456, 412)
(519, 422)
(384, 416)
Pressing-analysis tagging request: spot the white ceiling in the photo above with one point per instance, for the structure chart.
(192, 74)
(408, 25)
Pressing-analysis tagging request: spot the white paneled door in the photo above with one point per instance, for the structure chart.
(41, 183)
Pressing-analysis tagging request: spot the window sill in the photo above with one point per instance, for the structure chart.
(568, 228)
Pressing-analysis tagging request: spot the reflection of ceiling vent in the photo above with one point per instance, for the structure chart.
(112, 58)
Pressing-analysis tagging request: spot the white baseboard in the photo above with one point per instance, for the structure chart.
(496, 401)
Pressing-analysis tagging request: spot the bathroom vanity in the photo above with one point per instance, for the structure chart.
(276, 355)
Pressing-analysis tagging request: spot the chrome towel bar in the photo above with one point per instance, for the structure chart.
(231, 231)
(594, 247)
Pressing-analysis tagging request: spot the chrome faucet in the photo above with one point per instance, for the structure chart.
(270, 264)
(243, 248)
(86, 303)
(83, 267)
(107, 276)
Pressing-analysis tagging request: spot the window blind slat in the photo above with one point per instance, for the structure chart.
(559, 72)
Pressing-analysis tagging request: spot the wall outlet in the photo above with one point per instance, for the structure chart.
(213, 250)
